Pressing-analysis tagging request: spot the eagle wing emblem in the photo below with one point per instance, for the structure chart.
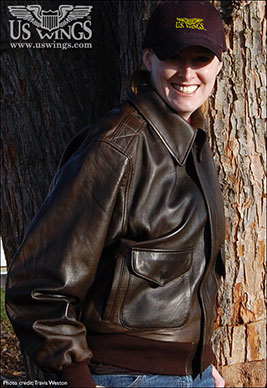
(65, 13)
(31, 13)
(68, 13)
(192, 21)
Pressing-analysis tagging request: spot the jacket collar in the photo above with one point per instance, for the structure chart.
(176, 134)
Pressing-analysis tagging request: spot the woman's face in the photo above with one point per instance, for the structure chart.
(186, 80)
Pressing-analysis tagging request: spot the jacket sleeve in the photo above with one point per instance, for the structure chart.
(56, 263)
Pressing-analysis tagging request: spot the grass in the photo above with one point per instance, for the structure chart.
(3, 314)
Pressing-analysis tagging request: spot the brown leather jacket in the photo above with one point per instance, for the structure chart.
(129, 240)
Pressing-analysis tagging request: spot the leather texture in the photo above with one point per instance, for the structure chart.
(129, 239)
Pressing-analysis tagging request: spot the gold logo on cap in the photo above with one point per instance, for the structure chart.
(193, 23)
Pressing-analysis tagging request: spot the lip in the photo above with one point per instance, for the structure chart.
(185, 90)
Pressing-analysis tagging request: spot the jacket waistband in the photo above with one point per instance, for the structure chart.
(130, 354)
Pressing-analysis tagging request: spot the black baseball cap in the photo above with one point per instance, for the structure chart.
(174, 25)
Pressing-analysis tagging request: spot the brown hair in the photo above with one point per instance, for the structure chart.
(139, 79)
(205, 107)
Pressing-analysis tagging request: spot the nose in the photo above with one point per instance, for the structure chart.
(185, 71)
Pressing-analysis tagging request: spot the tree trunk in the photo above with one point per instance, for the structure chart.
(48, 96)
(51, 94)
(237, 113)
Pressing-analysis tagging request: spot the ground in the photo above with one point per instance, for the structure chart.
(11, 361)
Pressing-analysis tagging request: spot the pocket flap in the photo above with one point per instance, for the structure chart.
(160, 267)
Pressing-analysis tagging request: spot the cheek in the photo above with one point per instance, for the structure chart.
(208, 80)
(169, 72)
(163, 77)
(208, 75)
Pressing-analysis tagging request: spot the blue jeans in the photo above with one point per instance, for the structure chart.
(155, 381)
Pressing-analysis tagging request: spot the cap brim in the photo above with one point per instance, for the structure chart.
(165, 51)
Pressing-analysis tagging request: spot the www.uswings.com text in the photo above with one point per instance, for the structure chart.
(50, 45)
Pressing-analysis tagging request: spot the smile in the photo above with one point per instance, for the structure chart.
(185, 89)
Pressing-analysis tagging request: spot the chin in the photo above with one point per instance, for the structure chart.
(182, 111)
(186, 110)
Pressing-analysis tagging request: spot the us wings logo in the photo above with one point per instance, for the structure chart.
(65, 23)
(193, 23)
(49, 20)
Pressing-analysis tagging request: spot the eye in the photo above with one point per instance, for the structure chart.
(175, 58)
(203, 59)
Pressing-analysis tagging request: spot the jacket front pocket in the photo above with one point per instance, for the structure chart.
(158, 293)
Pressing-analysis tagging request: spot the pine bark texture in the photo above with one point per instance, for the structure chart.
(49, 95)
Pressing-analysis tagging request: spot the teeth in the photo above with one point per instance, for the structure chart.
(185, 89)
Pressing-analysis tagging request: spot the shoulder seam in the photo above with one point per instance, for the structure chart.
(115, 146)
(127, 129)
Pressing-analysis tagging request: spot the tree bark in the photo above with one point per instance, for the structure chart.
(237, 114)
(48, 95)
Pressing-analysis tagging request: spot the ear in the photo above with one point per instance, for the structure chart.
(147, 53)
(219, 67)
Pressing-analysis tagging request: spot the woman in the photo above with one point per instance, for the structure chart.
(115, 282)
